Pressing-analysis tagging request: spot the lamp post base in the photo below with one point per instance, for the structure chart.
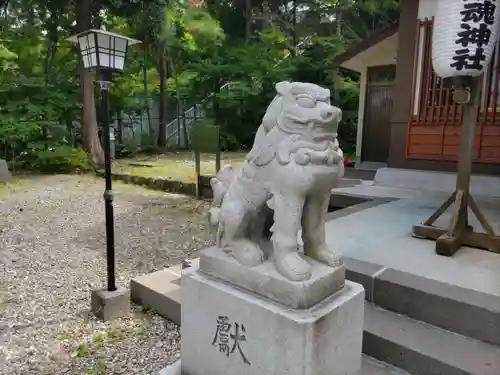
(107, 305)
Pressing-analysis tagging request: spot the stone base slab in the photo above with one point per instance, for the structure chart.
(5, 175)
(107, 305)
(161, 291)
(369, 366)
(228, 331)
(266, 281)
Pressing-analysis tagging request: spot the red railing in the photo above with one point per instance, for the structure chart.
(434, 128)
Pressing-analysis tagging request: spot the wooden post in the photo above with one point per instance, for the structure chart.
(197, 160)
(217, 152)
(460, 233)
(205, 139)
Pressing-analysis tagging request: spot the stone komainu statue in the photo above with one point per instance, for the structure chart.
(293, 165)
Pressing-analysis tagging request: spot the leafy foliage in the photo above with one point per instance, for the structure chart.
(63, 159)
(187, 54)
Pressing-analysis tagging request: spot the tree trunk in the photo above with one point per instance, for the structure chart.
(338, 25)
(162, 131)
(146, 92)
(338, 22)
(88, 122)
(180, 104)
(294, 25)
(248, 19)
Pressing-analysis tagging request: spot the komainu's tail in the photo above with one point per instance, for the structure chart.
(220, 184)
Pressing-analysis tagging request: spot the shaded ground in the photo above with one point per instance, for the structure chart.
(177, 166)
(52, 249)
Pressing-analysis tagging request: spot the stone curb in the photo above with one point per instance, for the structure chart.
(164, 184)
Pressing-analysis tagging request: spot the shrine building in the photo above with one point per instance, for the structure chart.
(406, 116)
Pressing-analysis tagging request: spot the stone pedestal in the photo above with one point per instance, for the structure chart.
(107, 305)
(269, 283)
(227, 330)
(5, 175)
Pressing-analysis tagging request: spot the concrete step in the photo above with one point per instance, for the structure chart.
(159, 291)
(469, 312)
(423, 349)
(369, 366)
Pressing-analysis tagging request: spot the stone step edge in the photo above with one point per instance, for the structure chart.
(439, 304)
(369, 366)
(423, 349)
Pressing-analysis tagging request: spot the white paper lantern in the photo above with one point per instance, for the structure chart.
(464, 36)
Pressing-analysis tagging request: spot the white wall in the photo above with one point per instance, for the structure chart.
(426, 9)
(383, 53)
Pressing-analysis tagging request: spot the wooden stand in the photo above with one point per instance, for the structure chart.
(460, 233)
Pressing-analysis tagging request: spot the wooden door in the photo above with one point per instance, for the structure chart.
(377, 123)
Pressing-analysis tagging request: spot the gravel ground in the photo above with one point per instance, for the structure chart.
(52, 249)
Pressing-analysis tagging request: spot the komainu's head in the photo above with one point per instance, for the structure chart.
(305, 109)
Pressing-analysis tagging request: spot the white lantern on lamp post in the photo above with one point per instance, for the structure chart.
(105, 53)
(464, 38)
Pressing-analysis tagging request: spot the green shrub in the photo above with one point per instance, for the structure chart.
(61, 159)
(129, 149)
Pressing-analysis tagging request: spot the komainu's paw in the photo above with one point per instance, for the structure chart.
(325, 255)
(293, 266)
(247, 253)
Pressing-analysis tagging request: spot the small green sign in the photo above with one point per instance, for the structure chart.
(205, 138)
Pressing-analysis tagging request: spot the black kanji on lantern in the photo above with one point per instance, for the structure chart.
(476, 35)
(479, 11)
(463, 59)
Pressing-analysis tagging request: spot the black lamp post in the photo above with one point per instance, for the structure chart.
(105, 52)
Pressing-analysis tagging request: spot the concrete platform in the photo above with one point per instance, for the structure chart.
(481, 185)
(382, 235)
(405, 275)
(405, 183)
